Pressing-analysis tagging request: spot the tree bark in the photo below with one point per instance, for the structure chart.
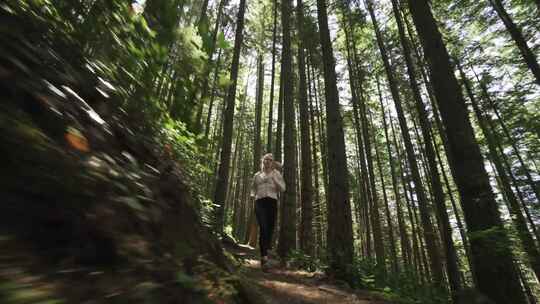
(212, 99)
(494, 269)
(278, 147)
(452, 268)
(237, 196)
(461, 227)
(317, 218)
(317, 115)
(287, 232)
(517, 36)
(204, 89)
(223, 172)
(258, 114)
(340, 243)
(429, 233)
(444, 139)
(204, 8)
(306, 223)
(271, 105)
(530, 181)
(416, 251)
(517, 217)
(374, 207)
(404, 240)
(367, 189)
(395, 267)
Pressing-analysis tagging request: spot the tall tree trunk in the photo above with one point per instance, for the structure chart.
(393, 251)
(236, 197)
(223, 172)
(517, 36)
(373, 202)
(258, 114)
(252, 222)
(215, 145)
(271, 105)
(320, 117)
(279, 132)
(287, 232)
(322, 128)
(517, 217)
(444, 139)
(404, 240)
(212, 98)
(374, 208)
(422, 248)
(234, 172)
(530, 296)
(461, 227)
(358, 200)
(364, 183)
(416, 251)
(239, 212)
(306, 223)
(317, 218)
(340, 243)
(429, 234)
(246, 199)
(511, 139)
(317, 116)
(203, 16)
(494, 269)
(452, 268)
(205, 77)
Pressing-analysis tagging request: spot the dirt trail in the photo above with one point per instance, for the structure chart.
(291, 286)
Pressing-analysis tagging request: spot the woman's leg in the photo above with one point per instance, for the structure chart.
(261, 220)
(265, 210)
(272, 212)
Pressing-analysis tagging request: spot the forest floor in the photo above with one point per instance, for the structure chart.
(293, 286)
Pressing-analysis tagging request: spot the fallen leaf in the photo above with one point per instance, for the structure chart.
(76, 140)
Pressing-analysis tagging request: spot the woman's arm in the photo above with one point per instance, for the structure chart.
(253, 187)
(278, 180)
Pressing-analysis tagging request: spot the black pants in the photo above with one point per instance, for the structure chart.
(265, 211)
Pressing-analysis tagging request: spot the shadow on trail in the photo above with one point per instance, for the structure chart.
(293, 286)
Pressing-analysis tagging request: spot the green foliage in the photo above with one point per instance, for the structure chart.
(207, 211)
(494, 238)
(404, 287)
(186, 281)
(18, 293)
(222, 42)
(217, 285)
(148, 59)
(133, 58)
(183, 147)
(299, 259)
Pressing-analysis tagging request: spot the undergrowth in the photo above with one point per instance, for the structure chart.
(404, 287)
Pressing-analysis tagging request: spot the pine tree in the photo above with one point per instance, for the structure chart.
(494, 269)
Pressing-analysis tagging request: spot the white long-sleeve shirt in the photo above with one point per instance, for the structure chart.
(267, 184)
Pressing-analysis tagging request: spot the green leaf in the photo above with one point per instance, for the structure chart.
(222, 42)
(185, 280)
(131, 202)
(145, 26)
(224, 81)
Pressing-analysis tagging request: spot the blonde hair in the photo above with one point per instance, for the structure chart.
(267, 155)
(275, 164)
